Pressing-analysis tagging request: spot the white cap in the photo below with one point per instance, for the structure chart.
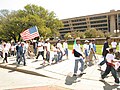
(86, 41)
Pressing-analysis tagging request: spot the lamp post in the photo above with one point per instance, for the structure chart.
(116, 31)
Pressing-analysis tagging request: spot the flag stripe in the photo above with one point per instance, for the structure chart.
(26, 35)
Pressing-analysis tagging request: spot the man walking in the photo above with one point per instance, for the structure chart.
(78, 57)
(105, 51)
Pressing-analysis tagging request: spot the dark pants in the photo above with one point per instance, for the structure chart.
(103, 62)
(12, 53)
(48, 56)
(5, 59)
(113, 71)
(1, 54)
(40, 53)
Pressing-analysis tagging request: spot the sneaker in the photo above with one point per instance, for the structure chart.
(81, 73)
(117, 84)
(74, 74)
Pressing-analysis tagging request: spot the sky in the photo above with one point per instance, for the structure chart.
(66, 8)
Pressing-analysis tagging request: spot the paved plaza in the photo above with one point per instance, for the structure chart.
(63, 71)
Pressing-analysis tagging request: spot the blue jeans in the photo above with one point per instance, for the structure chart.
(35, 51)
(60, 55)
(66, 52)
(22, 56)
(76, 65)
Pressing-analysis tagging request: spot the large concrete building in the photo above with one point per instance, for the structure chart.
(109, 21)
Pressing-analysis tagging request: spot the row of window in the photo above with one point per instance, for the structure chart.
(101, 25)
(79, 24)
(79, 27)
(98, 17)
(100, 21)
(77, 20)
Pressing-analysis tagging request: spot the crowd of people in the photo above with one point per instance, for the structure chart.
(33, 49)
(89, 50)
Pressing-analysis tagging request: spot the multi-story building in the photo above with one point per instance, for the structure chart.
(108, 21)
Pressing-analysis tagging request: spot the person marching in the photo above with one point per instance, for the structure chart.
(110, 67)
(65, 47)
(104, 52)
(41, 50)
(5, 53)
(78, 57)
(92, 51)
(86, 51)
(22, 50)
(60, 50)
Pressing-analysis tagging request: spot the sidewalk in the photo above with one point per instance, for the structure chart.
(63, 71)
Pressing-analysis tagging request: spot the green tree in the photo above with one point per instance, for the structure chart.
(67, 36)
(91, 33)
(13, 23)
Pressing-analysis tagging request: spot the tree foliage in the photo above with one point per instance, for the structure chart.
(14, 22)
(90, 33)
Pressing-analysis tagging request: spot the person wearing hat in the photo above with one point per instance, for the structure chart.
(86, 51)
(78, 57)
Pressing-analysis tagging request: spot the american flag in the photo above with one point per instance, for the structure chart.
(30, 33)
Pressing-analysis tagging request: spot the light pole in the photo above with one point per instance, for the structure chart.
(116, 32)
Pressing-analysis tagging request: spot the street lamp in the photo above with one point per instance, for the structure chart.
(116, 31)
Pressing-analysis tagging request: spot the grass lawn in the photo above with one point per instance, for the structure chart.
(98, 47)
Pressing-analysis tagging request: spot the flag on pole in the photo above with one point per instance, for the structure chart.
(30, 33)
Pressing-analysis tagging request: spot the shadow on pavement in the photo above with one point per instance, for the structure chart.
(70, 79)
(110, 87)
(11, 71)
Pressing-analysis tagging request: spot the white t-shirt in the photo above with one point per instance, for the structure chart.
(12, 48)
(78, 49)
(65, 45)
(40, 46)
(114, 44)
(59, 45)
(86, 47)
(109, 57)
(47, 45)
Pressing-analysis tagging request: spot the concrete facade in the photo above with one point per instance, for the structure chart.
(108, 21)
